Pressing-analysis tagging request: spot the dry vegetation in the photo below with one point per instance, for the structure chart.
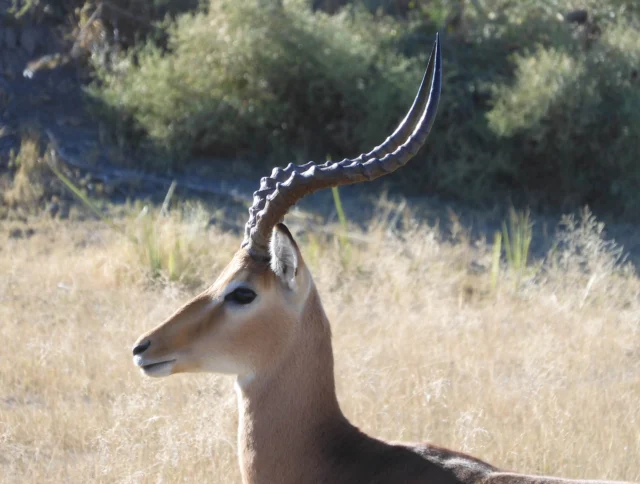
(28, 185)
(542, 379)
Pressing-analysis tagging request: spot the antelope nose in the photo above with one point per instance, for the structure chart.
(141, 347)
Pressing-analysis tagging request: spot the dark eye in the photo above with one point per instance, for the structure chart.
(242, 295)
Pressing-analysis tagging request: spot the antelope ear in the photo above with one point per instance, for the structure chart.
(285, 256)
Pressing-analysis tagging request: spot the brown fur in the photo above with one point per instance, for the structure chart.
(291, 428)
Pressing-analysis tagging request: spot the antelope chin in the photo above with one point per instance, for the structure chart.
(157, 368)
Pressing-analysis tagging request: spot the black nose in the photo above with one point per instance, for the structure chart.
(141, 347)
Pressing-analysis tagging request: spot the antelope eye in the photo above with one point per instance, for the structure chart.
(241, 295)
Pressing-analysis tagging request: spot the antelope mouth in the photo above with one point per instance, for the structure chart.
(155, 368)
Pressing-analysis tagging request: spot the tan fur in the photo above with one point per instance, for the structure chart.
(291, 428)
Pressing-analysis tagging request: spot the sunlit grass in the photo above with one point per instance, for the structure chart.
(541, 379)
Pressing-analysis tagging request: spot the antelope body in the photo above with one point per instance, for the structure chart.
(263, 321)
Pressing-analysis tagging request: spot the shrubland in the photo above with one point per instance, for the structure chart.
(540, 100)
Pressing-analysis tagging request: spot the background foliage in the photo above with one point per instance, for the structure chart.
(541, 98)
(242, 79)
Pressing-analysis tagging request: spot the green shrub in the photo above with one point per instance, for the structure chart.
(538, 108)
(533, 105)
(570, 119)
(242, 80)
(465, 158)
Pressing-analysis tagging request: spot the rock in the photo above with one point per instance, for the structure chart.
(29, 40)
(10, 38)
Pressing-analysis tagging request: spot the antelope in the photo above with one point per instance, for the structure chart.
(262, 320)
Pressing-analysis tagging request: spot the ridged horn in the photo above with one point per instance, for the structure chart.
(280, 191)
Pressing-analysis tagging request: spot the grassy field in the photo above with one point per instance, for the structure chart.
(431, 343)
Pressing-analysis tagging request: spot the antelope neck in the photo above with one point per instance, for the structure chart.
(285, 416)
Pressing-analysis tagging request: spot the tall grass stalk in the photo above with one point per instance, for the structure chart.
(495, 260)
(345, 245)
(517, 241)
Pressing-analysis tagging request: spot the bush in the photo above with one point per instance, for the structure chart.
(570, 120)
(536, 103)
(241, 80)
(539, 108)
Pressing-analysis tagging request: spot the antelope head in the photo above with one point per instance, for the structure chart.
(245, 322)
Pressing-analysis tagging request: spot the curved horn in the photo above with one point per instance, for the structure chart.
(399, 136)
(279, 192)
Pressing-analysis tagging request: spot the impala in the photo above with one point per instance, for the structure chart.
(263, 321)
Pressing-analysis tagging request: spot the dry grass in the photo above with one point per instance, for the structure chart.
(543, 379)
(28, 188)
